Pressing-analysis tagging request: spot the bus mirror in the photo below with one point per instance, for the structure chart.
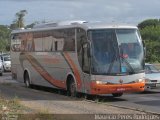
(145, 51)
(88, 50)
(144, 47)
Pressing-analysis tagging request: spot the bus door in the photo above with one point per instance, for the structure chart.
(84, 61)
(86, 66)
(83, 58)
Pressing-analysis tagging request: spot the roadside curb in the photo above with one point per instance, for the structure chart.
(124, 107)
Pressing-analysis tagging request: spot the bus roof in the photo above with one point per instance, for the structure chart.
(86, 26)
(107, 25)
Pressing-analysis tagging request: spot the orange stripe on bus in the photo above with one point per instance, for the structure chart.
(75, 70)
(44, 73)
(117, 88)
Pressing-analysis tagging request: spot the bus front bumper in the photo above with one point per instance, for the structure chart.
(116, 88)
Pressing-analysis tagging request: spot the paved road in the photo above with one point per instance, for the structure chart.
(56, 103)
(148, 101)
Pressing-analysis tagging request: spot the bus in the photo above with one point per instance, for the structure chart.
(79, 57)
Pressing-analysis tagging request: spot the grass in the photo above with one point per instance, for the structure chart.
(6, 84)
(158, 66)
(12, 109)
(11, 106)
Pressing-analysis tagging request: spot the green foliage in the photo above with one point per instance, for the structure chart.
(31, 25)
(20, 18)
(4, 37)
(19, 21)
(6, 30)
(150, 31)
(149, 22)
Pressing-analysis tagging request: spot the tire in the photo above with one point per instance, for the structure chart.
(4, 69)
(1, 74)
(27, 80)
(117, 94)
(72, 91)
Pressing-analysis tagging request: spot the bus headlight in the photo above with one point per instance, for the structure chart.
(142, 80)
(99, 82)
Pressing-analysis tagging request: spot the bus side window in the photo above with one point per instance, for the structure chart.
(82, 49)
(15, 43)
(38, 41)
(69, 41)
(47, 41)
(57, 40)
(85, 58)
(56, 45)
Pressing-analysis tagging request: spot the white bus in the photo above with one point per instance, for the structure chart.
(91, 58)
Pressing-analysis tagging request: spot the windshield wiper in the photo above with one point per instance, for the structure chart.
(111, 64)
(115, 55)
(128, 64)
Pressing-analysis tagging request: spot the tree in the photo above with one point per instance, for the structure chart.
(4, 37)
(14, 25)
(149, 22)
(150, 32)
(32, 25)
(19, 22)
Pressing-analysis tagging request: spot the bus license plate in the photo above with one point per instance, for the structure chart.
(121, 89)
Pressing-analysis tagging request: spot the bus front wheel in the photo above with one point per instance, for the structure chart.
(27, 80)
(117, 94)
(72, 89)
(1, 74)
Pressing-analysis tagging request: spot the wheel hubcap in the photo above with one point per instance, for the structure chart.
(72, 89)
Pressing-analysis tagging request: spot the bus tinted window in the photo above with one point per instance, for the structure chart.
(48, 41)
(69, 40)
(58, 40)
(29, 42)
(45, 41)
(81, 38)
(38, 41)
(15, 42)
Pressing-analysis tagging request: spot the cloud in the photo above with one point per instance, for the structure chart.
(132, 11)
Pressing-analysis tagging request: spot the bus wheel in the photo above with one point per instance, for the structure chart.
(72, 89)
(1, 74)
(27, 80)
(117, 94)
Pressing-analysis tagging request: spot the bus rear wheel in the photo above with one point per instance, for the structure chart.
(72, 89)
(27, 80)
(117, 94)
(1, 74)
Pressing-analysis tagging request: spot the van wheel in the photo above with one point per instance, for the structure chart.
(117, 94)
(72, 89)
(27, 80)
(1, 74)
(4, 69)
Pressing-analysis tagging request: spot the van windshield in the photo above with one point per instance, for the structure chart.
(7, 59)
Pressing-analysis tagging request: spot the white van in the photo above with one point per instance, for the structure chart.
(6, 63)
(1, 68)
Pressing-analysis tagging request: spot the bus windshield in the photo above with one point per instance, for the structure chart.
(116, 51)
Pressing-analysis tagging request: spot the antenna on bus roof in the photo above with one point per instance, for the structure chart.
(72, 22)
(54, 24)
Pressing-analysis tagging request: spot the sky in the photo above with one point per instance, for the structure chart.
(118, 11)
